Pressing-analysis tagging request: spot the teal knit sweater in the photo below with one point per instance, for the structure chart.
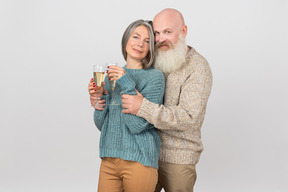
(127, 136)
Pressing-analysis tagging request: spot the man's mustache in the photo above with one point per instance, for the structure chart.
(159, 44)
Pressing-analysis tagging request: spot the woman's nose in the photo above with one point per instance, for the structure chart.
(140, 43)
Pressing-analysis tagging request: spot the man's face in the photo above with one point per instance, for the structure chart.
(166, 32)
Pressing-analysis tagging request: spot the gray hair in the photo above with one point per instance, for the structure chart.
(148, 60)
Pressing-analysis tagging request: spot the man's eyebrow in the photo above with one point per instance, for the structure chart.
(166, 29)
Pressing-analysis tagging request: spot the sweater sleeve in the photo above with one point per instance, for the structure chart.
(153, 91)
(191, 107)
(100, 116)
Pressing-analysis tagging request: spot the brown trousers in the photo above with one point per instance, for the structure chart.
(176, 177)
(117, 175)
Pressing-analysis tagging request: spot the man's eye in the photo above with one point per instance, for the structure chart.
(168, 32)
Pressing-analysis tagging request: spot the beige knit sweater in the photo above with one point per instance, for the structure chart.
(180, 119)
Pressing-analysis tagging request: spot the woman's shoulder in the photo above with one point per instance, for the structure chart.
(154, 75)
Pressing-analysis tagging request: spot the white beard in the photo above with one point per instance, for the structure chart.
(172, 59)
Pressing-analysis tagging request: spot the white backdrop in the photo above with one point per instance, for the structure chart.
(48, 141)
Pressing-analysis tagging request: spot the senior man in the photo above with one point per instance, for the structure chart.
(179, 120)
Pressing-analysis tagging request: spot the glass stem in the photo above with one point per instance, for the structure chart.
(113, 96)
(97, 100)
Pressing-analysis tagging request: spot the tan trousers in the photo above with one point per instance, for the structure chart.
(117, 175)
(176, 177)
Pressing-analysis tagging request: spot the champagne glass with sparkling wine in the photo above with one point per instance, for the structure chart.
(112, 84)
(99, 74)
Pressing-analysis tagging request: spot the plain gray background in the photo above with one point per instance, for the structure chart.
(48, 141)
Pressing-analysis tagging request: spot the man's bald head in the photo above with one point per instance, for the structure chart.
(172, 15)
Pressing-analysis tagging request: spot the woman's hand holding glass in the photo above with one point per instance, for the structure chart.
(99, 75)
(114, 73)
(96, 93)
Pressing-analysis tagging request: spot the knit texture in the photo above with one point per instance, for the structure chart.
(180, 119)
(127, 136)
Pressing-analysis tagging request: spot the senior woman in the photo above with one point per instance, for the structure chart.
(129, 145)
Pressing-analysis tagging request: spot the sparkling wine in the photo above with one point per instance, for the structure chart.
(112, 84)
(99, 78)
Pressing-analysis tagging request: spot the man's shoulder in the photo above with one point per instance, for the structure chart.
(196, 61)
(193, 56)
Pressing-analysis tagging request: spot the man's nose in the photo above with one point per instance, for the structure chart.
(161, 38)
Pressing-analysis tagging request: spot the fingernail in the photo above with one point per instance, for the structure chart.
(94, 86)
(108, 66)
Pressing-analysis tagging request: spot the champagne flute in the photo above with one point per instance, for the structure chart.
(112, 84)
(99, 75)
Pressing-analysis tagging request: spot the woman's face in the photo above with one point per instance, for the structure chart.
(138, 44)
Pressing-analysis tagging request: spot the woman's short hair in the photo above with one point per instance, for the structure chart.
(148, 60)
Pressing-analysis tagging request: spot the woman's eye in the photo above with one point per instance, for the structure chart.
(148, 42)
(135, 37)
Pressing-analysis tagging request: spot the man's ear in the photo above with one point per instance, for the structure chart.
(184, 30)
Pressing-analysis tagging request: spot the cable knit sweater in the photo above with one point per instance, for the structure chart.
(127, 136)
(180, 119)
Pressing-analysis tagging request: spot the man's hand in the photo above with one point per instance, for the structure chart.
(132, 103)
